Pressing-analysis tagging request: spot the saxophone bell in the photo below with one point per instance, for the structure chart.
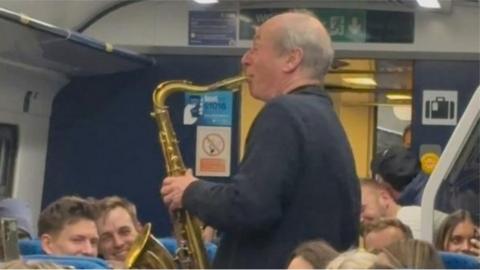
(148, 253)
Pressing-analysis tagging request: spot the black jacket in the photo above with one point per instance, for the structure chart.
(296, 182)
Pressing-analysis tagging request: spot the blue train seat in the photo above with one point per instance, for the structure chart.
(30, 247)
(33, 247)
(31, 250)
(459, 261)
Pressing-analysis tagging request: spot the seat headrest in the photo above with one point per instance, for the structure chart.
(459, 261)
(30, 247)
(78, 262)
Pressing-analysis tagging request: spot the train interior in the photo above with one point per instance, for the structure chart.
(77, 79)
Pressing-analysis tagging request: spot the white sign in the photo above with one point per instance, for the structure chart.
(213, 151)
(439, 107)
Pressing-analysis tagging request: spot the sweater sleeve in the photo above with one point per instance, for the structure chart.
(255, 197)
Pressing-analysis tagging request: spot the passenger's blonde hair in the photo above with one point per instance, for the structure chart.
(20, 264)
(107, 204)
(384, 223)
(353, 259)
(414, 254)
(316, 252)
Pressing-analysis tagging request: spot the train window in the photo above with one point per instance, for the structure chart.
(8, 152)
(455, 181)
(461, 187)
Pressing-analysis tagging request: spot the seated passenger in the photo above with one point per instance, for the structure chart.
(20, 211)
(67, 227)
(118, 226)
(383, 232)
(315, 254)
(458, 233)
(411, 254)
(378, 203)
(398, 169)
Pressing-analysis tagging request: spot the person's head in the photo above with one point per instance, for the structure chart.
(383, 232)
(118, 227)
(395, 167)
(67, 227)
(353, 259)
(20, 264)
(410, 253)
(377, 202)
(21, 212)
(289, 50)
(313, 254)
(407, 137)
(456, 232)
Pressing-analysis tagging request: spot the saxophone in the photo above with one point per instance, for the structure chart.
(190, 253)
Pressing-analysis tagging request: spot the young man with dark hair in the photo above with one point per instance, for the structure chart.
(398, 170)
(67, 227)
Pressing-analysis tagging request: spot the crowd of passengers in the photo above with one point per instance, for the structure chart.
(390, 218)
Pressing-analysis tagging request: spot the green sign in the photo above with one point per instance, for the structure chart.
(344, 25)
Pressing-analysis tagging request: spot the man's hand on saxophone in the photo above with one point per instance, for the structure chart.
(173, 188)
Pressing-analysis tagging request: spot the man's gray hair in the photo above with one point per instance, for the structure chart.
(317, 48)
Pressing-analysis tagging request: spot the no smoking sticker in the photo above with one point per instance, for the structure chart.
(213, 151)
(213, 144)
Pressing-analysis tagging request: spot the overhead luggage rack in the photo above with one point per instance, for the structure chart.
(35, 43)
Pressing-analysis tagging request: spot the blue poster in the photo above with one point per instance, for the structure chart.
(209, 109)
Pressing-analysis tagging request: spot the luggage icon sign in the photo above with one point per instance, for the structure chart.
(439, 107)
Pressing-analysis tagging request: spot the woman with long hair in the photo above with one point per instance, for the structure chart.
(458, 233)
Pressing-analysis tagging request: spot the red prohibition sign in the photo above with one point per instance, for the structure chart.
(213, 144)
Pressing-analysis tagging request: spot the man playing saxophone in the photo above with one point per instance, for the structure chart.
(297, 180)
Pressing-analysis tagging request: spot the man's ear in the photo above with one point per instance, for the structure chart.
(385, 197)
(46, 241)
(138, 226)
(294, 58)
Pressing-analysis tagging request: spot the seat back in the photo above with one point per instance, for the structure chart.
(30, 247)
(459, 261)
(31, 251)
(33, 247)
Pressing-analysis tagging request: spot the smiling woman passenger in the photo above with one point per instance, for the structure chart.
(458, 233)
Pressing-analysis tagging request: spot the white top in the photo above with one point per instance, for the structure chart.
(412, 217)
